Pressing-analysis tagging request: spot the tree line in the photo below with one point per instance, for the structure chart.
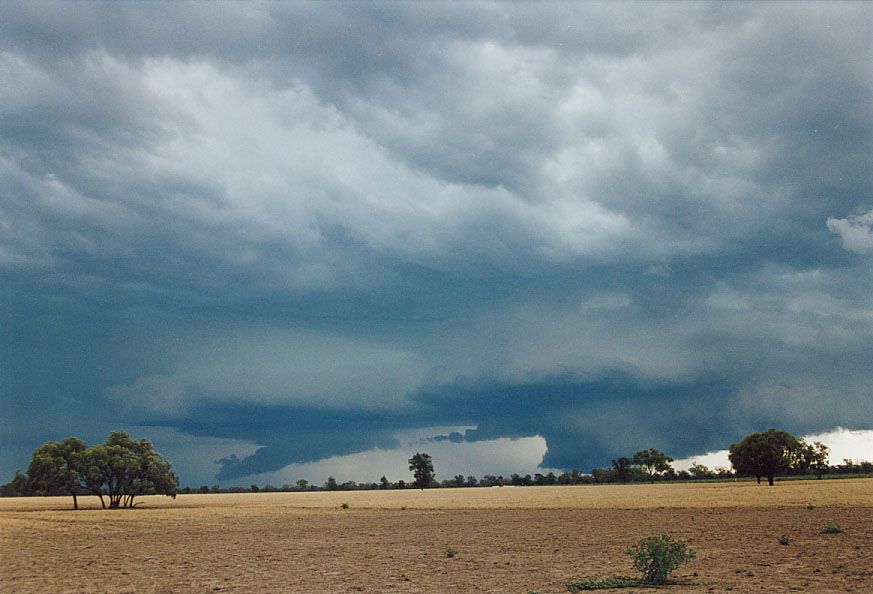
(116, 471)
(122, 469)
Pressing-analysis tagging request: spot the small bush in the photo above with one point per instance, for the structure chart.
(832, 528)
(784, 540)
(344, 505)
(605, 584)
(450, 552)
(657, 555)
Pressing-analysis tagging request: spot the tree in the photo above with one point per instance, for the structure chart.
(302, 485)
(55, 468)
(421, 466)
(331, 484)
(817, 457)
(700, 471)
(767, 454)
(19, 486)
(622, 468)
(652, 462)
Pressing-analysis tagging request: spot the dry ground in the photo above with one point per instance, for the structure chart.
(507, 539)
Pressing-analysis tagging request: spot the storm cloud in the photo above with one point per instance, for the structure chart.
(313, 227)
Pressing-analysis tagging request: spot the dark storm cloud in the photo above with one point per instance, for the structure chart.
(313, 226)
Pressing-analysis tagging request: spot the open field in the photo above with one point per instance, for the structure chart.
(506, 539)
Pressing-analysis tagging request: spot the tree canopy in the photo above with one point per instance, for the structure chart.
(767, 454)
(421, 466)
(120, 469)
(653, 462)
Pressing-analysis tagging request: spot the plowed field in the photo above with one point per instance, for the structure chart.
(511, 539)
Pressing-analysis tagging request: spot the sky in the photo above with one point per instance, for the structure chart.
(280, 238)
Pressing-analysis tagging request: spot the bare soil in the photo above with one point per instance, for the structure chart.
(511, 539)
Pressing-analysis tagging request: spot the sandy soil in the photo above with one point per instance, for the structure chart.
(505, 540)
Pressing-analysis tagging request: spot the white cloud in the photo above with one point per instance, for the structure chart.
(855, 232)
(498, 457)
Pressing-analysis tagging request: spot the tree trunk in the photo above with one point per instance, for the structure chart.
(759, 480)
(770, 479)
(102, 502)
(75, 502)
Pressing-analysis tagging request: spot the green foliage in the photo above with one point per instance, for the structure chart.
(622, 468)
(19, 486)
(767, 454)
(121, 468)
(421, 466)
(831, 528)
(605, 584)
(55, 468)
(653, 462)
(657, 555)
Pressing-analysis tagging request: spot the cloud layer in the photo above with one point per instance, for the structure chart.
(313, 227)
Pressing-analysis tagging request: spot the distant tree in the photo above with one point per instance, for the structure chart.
(699, 471)
(215, 489)
(768, 454)
(254, 489)
(19, 486)
(458, 481)
(421, 466)
(302, 485)
(817, 455)
(384, 483)
(55, 468)
(489, 480)
(652, 462)
(471, 481)
(331, 484)
(622, 468)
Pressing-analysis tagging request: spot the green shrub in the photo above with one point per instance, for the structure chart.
(657, 555)
(832, 528)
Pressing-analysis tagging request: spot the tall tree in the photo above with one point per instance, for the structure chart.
(55, 468)
(622, 468)
(421, 466)
(653, 462)
(768, 454)
(817, 456)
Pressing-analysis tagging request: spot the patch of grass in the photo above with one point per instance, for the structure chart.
(450, 552)
(344, 505)
(605, 584)
(831, 528)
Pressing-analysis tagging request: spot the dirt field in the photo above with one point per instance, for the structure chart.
(516, 540)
